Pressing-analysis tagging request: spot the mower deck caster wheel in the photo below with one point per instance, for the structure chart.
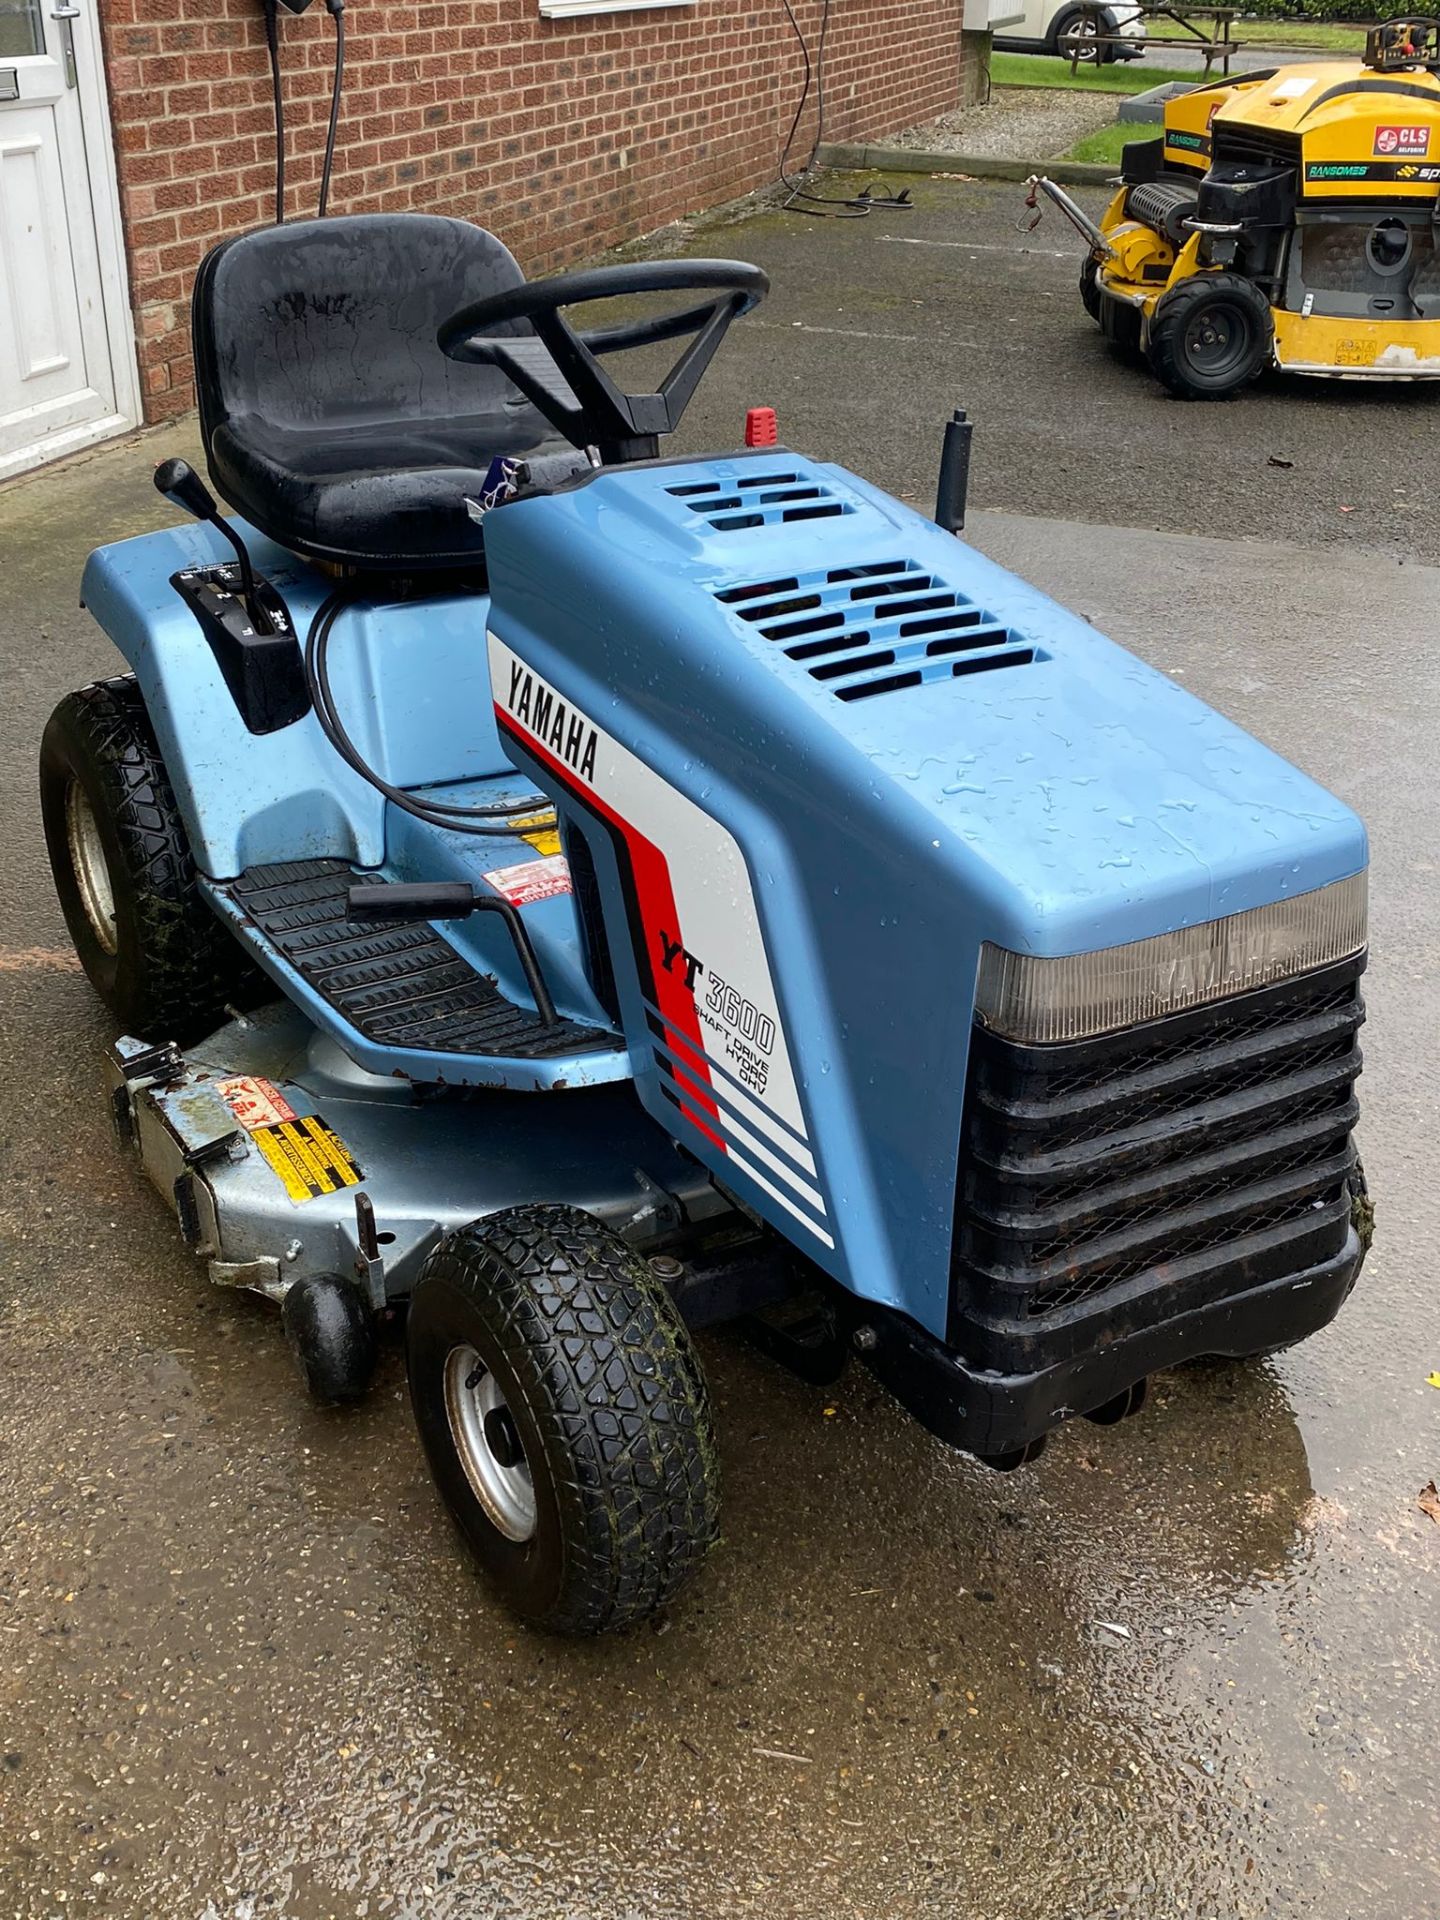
(565, 1417)
(331, 1332)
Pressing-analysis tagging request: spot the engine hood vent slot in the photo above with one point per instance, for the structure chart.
(1249, 146)
(772, 499)
(879, 628)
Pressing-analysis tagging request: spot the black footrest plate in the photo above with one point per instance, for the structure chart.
(398, 986)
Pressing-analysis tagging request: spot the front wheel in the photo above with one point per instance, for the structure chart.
(1210, 336)
(565, 1418)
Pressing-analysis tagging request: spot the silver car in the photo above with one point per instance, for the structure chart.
(1038, 26)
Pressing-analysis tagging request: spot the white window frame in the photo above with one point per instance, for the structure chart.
(574, 9)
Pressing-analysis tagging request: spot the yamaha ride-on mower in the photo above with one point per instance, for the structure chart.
(1286, 219)
(575, 894)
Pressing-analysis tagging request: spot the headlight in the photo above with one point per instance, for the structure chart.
(1041, 1001)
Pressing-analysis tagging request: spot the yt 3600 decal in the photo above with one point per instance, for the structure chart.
(712, 1007)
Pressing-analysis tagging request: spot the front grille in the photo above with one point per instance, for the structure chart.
(1242, 146)
(1148, 1172)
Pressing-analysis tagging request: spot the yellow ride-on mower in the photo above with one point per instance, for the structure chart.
(1282, 219)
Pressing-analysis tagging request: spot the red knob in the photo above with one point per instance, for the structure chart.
(762, 429)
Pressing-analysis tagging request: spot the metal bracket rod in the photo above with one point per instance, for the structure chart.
(1076, 215)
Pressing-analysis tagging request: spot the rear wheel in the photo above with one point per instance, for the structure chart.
(1210, 336)
(152, 947)
(564, 1416)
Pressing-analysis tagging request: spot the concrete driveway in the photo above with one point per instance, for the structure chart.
(1186, 1667)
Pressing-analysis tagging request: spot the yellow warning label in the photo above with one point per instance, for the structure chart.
(307, 1158)
(540, 830)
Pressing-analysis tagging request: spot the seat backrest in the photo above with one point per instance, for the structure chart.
(324, 322)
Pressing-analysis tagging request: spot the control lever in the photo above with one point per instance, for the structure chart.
(452, 900)
(406, 900)
(178, 481)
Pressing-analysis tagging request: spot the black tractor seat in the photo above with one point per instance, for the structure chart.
(331, 419)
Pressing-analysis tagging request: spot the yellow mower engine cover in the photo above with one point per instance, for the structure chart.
(1287, 219)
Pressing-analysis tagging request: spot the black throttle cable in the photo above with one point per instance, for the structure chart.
(434, 813)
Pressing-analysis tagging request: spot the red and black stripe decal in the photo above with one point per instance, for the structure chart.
(649, 908)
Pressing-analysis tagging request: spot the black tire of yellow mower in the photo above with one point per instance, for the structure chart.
(1210, 336)
(1090, 295)
(1116, 319)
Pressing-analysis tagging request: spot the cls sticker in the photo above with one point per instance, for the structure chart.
(1402, 143)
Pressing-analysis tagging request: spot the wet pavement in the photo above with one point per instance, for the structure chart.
(1184, 1667)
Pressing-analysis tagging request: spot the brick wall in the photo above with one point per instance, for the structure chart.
(564, 136)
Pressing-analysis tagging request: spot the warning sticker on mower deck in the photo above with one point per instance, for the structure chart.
(307, 1158)
(254, 1102)
(532, 880)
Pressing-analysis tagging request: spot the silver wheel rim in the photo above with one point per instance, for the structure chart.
(504, 1488)
(89, 865)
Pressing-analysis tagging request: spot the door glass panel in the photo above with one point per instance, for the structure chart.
(21, 30)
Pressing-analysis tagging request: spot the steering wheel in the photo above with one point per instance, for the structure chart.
(558, 368)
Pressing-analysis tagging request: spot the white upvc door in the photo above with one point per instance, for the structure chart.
(67, 360)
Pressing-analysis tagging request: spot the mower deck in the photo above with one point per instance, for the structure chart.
(263, 1137)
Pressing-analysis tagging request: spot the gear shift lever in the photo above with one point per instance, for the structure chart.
(184, 488)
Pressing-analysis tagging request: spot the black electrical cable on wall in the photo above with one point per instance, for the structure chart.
(799, 197)
(337, 13)
(814, 74)
(272, 41)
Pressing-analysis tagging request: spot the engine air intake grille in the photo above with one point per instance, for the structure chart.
(1161, 1169)
(1243, 146)
(877, 628)
(760, 500)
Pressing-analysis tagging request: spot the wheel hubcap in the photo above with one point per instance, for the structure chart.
(489, 1445)
(1217, 341)
(88, 863)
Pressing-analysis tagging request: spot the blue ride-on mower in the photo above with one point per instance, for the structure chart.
(575, 894)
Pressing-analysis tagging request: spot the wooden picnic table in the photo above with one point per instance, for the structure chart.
(1091, 35)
